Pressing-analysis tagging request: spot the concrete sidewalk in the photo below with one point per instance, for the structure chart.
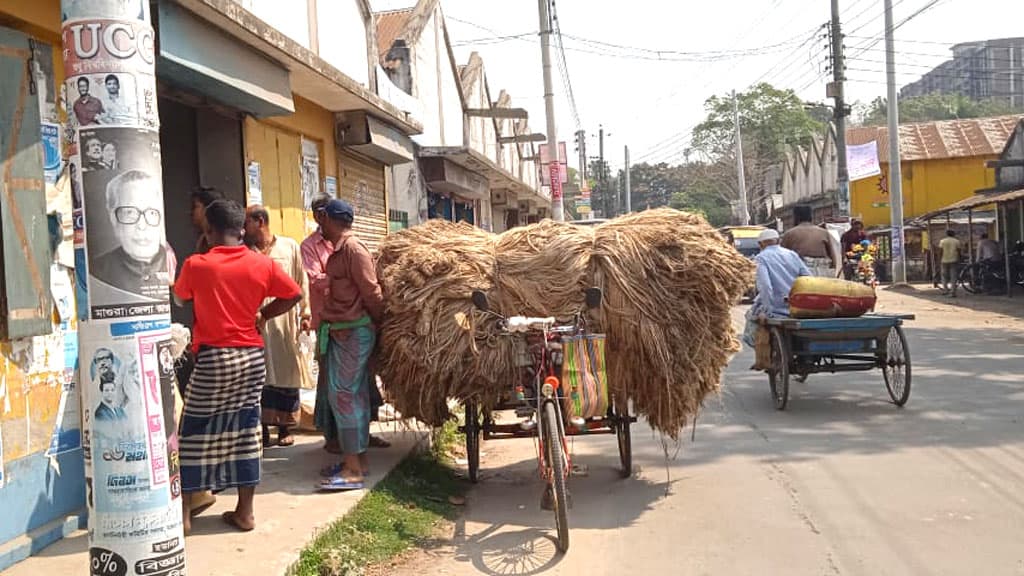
(289, 511)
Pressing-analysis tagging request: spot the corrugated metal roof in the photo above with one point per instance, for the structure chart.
(976, 201)
(390, 26)
(942, 139)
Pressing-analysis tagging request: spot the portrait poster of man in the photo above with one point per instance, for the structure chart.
(103, 99)
(124, 213)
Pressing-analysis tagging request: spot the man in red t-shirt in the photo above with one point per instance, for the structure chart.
(220, 429)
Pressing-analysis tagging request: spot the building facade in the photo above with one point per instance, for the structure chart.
(271, 114)
(985, 70)
(468, 165)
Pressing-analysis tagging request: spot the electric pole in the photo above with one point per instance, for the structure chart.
(840, 112)
(581, 148)
(601, 174)
(557, 205)
(899, 261)
(744, 209)
(629, 189)
(129, 442)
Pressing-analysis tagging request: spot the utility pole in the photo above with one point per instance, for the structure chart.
(581, 148)
(840, 111)
(899, 257)
(557, 205)
(629, 189)
(745, 210)
(605, 208)
(129, 443)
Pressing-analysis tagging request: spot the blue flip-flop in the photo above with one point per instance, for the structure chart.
(337, 483)
(329, 471)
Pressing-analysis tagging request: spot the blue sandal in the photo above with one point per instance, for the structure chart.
(339, 483)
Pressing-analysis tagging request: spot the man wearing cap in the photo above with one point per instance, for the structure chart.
(353, 309)
(777, 270)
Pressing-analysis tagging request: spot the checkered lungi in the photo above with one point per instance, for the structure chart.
(220, 428)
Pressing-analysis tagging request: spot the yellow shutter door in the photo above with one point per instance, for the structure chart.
(362, 184)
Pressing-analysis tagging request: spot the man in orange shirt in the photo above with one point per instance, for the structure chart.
(220, 429)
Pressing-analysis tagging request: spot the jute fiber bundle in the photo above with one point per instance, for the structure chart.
(427, 351)
(669, 282)
(543, 269)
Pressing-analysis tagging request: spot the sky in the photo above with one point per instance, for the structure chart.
(643, 69)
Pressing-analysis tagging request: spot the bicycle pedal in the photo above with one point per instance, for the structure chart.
(528, 425)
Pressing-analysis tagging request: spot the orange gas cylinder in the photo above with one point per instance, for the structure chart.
(815, 297)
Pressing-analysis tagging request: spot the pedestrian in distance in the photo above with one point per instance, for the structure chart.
(229, 288)
(950, 249)
(287, 372)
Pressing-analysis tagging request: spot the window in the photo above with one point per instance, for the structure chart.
(397, 220)
(26, 306)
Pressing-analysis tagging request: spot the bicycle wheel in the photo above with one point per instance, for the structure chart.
(778, 375)
(472, 430)
(622, 423)
(896, 370)
(556, 467)
(970, 279)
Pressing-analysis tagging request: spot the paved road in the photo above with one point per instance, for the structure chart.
(841, 483)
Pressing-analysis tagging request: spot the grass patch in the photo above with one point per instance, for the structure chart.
(403, 510)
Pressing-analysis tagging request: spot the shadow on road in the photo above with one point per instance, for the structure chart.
(994, 303)
(967, 392)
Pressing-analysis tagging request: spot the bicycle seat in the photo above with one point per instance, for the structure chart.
(526, 324)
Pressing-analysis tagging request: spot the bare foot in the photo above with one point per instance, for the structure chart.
(241, 523)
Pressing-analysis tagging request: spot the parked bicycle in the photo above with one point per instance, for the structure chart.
(549, 403)
(989, 276)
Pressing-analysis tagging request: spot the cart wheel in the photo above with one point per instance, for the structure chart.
(622, 423)
(896, 370)
(778, 376)
(472, 430)
(553, 443)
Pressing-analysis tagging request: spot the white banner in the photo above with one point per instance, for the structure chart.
(862, 161)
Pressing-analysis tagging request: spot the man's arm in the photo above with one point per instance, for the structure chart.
(318, 280)
(364, 275)
(183, 291)
(302, 279)
(763, 284)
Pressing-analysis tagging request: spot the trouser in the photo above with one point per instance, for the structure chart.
(950, 271)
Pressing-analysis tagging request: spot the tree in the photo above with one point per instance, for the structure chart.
(932, 107)
(771, 120)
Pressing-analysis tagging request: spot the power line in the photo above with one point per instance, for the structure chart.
(563, 65)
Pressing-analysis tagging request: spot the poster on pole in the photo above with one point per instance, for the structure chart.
(132, 480)
(862, 161)
(545, 161)
(124, 215)
(51, 152)
(556, 183)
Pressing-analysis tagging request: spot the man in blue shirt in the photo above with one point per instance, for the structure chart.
(777, 270)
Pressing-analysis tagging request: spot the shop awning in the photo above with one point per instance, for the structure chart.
(205, 60)
(312, 77)
(976, 201)
(497, 177)
(374, 138)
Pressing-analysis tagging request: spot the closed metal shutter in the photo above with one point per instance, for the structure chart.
(362, 184)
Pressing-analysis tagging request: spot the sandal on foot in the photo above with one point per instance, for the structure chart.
(340, 483)
(286, 441)
(378, 442)
(331, 470)
(202, 507)
(230, 519)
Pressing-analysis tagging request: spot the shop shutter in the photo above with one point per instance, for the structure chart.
(25, 299)
(362, 184)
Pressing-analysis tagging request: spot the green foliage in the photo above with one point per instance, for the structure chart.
(770, 120)
(404, 509)
(932, 107)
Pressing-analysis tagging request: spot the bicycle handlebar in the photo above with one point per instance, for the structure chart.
(525, 324)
